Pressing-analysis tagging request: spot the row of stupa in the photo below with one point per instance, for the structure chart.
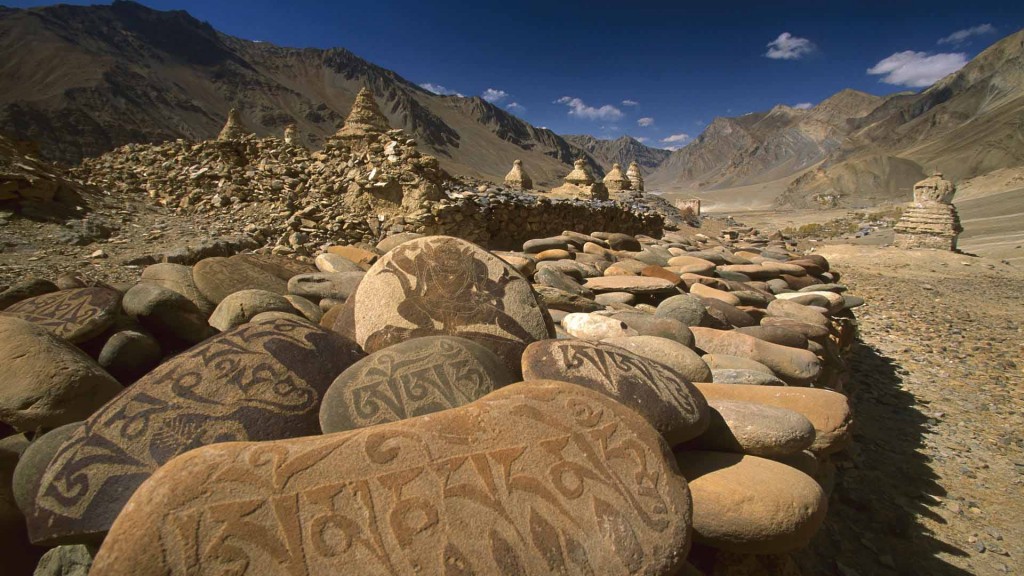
(581, 183)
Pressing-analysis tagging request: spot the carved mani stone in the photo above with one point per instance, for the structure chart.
(535, 478)
(75, 315)
(661, 394)
(444, 285)
(281, 266)
(218, 277)
(411, 378)
(257, 382)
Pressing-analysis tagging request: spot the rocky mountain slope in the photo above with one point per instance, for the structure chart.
(99, 77)
(854, 149)
(622, 150)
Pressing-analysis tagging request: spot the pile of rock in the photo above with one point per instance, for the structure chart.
(35, 188)
(591, 402)
(932, 221)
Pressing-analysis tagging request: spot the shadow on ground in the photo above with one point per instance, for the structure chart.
(884, 484)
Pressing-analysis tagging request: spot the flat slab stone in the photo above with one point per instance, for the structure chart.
(219, 277)
(75, 315)
(411, 378)
(439, 285)
(631, 284)
(661, 394)
(534, 478)
(257, 382)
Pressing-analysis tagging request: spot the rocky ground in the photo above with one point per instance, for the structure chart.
(933, 483)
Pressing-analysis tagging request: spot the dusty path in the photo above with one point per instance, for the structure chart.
(935, 482)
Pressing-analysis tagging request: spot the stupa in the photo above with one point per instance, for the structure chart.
(517, 177)
(932, 221)
(580, 184)
(615, 181)
(234, 128)
(635, 179)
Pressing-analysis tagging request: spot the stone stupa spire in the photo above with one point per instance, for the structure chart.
(931, 221)
(517, 177)
(234, 128)
(291, 134)
(365, 117)
(615, 181)
(636, 180)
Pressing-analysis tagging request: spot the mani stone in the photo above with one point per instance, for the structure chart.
(234, 128)
(47, 382)
(636, 180)
(33, 462)
(439, 285)
(277, 264)
(615, 181)
(218, 277)
(412, 378)
(661, 394)
(257, 382)
(178, 278)
(242, 306)
(75, 315)
(932, 221)
(751, 505)
(518, 178)
(534, 478)
(365, 117)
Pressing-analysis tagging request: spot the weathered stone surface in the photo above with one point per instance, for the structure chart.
(538, 245)
(615, 298)
(798, 312)
(166, 313)
(72, 560)
(47, 382)
(535, 478)
(631, 284)
(709, 292)
(24, 290)
(685, 308)
(664, 274)
(395, 240)
(661, 394)
(328, 262)
(443, 285)
(277, 265)
(33, 462)
(595, 326)
(809, 331)
(257, 382)
(319, 285)
(75, 315)
(240, 307)
(755, 429)
(729, 362)
(751, 505)
(358, 256)
(309, 310)
(796, 367)
(743, 376)
(555, 299)
(669, 352)
(218, 277)
(727, 315)
(828, 411)
(650, 325)
(776, 335)
(691, 265)
(411, 378)
(178, 278)
(560, 280)
(128, 354)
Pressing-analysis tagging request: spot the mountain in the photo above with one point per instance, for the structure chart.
(623, 150)
(855, 149)
(81, 80)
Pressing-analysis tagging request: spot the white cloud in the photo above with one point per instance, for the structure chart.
(960, 36)
(789, 47)
(917, 69)
(438, 89)
(641, 139)
(630, 103)
(516, 106)
(676, 138)
(803, 106)
(579, 109)
(494, 95)
(645, 122)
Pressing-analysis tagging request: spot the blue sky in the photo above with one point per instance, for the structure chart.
(658, 71)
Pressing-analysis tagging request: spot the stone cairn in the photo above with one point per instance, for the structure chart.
(419, 403)
(636, 180)
(517, 178)
(580, 184)
(932, 221)
(234, 128)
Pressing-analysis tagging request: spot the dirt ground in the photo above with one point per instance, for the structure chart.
(935, 481)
